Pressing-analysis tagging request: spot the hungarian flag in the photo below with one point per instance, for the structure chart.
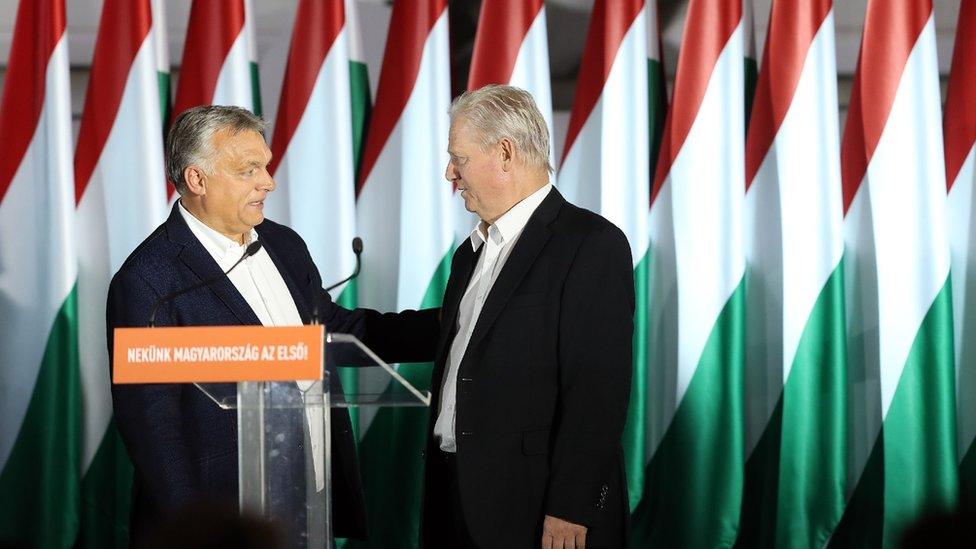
(960, 155)
(404, 216)
(40, 405)
(162, 61)
(313, 155)
(601, 172)
(121, 192)
(693, 485)
(360, 102)
(795, 377)
(896, 266)
(219, 65)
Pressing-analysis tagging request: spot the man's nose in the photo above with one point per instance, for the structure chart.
(268, 183)
(450, 173)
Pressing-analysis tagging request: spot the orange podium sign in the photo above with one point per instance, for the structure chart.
(214, 354)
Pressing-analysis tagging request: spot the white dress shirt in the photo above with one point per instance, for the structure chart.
(499, 241)
(258, 280)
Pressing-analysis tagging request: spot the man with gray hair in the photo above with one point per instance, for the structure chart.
(532, 377)
(184, 447)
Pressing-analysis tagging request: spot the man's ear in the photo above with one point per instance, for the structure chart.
(195, 180)
(507, 153)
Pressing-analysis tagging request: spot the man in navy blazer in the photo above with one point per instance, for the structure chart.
(184, 447)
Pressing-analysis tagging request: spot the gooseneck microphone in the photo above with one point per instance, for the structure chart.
(252, 249)
(357, 248)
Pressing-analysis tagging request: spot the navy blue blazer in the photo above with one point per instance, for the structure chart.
(183, 446)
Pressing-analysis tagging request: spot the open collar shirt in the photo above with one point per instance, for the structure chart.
(498, 242)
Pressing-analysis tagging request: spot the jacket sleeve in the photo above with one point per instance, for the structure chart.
(148, 416)
(407, 336)
(594, 373)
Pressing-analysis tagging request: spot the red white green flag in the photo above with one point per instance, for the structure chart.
(693, 485)
(404, 215)
(795, 374)
(40, 390)
(121, 194)
(896, 269)
(960, 136)
(600, 171)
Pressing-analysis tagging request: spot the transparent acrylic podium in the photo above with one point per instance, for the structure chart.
(284, 436)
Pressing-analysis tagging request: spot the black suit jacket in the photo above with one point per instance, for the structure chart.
(544, 384)
(184, 447)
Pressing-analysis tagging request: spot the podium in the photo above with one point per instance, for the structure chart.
(284, 427)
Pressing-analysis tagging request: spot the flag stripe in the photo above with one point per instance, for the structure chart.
(787, 44)
(712, 24)
(114, 52)
(212, 30)
(608, 26)
(502, 26)
(317, 25)
(401, 64)
(960, 107)
(891, 30)
(37, 30)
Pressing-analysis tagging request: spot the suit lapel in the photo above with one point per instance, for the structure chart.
(198, 260)
(296, 294)
(533, 238)
(457, 284)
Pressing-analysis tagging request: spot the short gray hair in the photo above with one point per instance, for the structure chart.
(505, 112)
(190, 140)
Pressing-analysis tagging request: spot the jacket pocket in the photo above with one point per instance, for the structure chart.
(536, 442)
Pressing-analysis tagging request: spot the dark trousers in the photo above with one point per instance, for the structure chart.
(444, 524)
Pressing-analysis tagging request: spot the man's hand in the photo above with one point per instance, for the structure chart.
(560, 534)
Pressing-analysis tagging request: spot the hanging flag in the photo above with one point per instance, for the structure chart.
(960, 136)
(40, 408)
(896, 266)
(362, 105)
(404, 216)
(252, 58)
(693, 484)
(121, 194)
(158, 34)
(796, 399)
(218, 66)
(600, 171)
(312, 149)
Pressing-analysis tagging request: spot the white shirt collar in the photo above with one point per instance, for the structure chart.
(511, 223)
(216, 243)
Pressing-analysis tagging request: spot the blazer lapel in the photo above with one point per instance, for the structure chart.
(533, 238)
(457, 284)
(198, 260)
(296, 294)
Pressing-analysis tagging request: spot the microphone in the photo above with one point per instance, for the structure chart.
(252, 249)
(357, 248)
